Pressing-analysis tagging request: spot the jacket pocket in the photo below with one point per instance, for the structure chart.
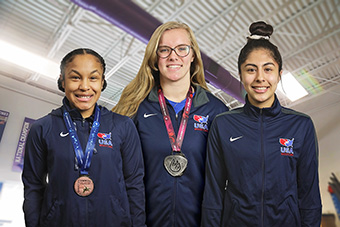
(120, 208)
(53, 212)
(285, 213)
(229, 210)
(109, 211)
(294, 211)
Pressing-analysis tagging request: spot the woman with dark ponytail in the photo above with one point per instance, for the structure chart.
(262, 158)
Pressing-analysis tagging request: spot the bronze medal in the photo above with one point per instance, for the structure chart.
(83, 186)
(175, 164)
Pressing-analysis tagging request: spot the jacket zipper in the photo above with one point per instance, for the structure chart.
(173, 218)
(86, 213)
(174, 205)
(263, 169)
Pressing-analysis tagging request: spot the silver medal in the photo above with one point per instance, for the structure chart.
(175, 164)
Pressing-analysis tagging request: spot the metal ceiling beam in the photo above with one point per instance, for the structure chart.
(134, 20)
(69, 22)
(316, 60)
(219, 16)
(241, 33)
(71, 18)
(310, 43)
(330, 64)
(126, 58)
(181, 9)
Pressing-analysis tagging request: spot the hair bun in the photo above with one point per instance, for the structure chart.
(261, 28)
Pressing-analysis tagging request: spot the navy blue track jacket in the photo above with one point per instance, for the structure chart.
(262, 169)
(175, 201)
(116, 169)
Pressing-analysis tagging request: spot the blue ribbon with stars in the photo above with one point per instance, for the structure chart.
(84, 159)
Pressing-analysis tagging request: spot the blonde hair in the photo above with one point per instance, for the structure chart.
(148, 75)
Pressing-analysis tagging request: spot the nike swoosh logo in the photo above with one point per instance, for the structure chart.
(236, 138)
(149, 115)
(63, 134)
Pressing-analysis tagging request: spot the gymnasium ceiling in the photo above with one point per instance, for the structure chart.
(307, 33)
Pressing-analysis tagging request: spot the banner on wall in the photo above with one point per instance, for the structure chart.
(18, 161)
(3, 119)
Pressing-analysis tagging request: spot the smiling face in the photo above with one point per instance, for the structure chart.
(260, 76)
(83, 82)
(175, 68)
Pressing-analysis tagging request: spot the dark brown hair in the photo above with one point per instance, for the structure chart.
(260, 33)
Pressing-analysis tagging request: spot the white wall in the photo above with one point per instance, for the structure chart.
(20, 100)
(325, 112)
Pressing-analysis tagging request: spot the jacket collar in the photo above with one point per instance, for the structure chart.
(200, 97)
(256, 112)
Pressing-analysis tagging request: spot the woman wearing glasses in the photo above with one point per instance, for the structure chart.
(172, 108)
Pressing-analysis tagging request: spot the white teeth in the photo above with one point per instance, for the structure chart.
(84, 97)
(173, 66)
(261, 88)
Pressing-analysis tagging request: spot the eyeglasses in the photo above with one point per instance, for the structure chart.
(181, 51)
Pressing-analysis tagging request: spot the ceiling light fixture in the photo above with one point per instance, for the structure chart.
(290, 87)
(28, 60)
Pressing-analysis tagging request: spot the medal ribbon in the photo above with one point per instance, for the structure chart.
(84, 159)
(176, 143)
